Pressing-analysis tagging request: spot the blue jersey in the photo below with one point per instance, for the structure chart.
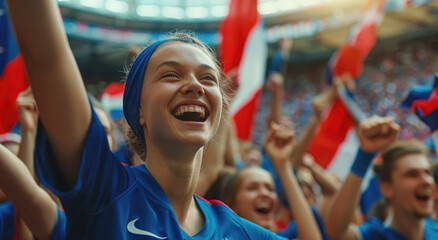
(374, 229)
(7, 221)
(112, 201)
(291, 232)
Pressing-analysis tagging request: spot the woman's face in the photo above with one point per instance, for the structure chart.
(256, 199)
(181, 101)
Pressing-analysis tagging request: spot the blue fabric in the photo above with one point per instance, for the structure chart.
(362, 162)
(124, 154)
(7, 221)
(370, 195)
(430, 120)
(416, 93)
(111, 201)
(374, 229)
(60, 227)
(423, 94)
(291, 232)
(7, 39)
(276, 62)
(134, 83)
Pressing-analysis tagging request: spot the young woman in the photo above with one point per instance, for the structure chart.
(173, 102)
(250, 192)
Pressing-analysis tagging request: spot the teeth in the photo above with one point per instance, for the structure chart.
(263, 205)
(190, 108)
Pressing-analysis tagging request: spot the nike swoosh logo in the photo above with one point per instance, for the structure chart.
(132, 229)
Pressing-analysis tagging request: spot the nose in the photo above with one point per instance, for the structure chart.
(427, 179)
(192, 86)
(264, 191)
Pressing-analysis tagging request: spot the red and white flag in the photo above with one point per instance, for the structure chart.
(335, 145)
(243, 48)
(112, 100)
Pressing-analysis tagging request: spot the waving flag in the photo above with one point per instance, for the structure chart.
(336, 139)
(423, 101)
(335, 145)
(416, 93)
(243, 48)
(112, 100)
(13, 78)
(427, 110)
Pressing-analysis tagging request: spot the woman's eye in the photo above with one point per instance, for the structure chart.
(208, 78)
(169, 75)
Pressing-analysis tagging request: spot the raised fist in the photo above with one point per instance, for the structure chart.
(377, 133)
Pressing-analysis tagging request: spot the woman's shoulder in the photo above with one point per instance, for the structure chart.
(230, 223)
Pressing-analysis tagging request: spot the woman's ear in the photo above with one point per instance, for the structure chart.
(140, 118)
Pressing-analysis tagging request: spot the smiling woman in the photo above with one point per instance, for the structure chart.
(173, 102)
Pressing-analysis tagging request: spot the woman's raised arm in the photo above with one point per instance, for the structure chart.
(55, 79)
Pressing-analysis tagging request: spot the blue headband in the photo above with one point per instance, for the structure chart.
(134, 83)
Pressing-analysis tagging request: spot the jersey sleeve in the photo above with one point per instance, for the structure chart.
(258, 233)
(59, 233)
(372, 229)
(7, 220)
(101, 179)
(291, 232)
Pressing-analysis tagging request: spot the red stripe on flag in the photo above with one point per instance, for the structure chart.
(348, 59)
(427, 106)
(114, 89)
(245, 117)
(12, 82)
(365, 39)
(242, 48)
(331, 134)
(234, 30)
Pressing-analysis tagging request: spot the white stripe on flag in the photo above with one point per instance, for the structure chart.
(345, 155)
(110, 102)
(252, 67)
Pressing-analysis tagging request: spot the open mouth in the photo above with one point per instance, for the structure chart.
(423, 197)
(193, 113)
(263, 208)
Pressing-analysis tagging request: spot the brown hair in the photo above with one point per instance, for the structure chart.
(231, 184)
(138, 145)
(396, 151)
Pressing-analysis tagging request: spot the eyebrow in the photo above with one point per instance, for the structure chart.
(177, 64)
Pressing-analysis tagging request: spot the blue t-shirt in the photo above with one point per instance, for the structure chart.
(291, 232)
(374, 229)
(7, 221)
(112, 201)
